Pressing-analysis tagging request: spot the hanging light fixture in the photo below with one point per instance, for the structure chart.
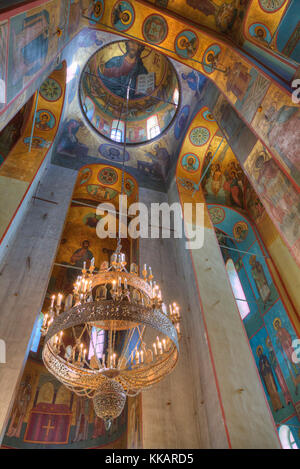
(117, 338)
(139, 336)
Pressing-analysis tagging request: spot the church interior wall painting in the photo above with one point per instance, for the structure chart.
(79, 144)
(269, 326)
(46, 414)
(244, 84)
(219, 15)
(277, 191)
(274, 25)
(104, 84)
(18, 164)
(238, 70)
(30, 42)
(213, 173)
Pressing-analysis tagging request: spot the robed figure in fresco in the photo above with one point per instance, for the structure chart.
(267, 376)
(285, 342)
(118, 71)
(260, 279)
(275, 365)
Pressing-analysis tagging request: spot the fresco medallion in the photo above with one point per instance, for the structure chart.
(50, 90)
(240, 231)
(261, 33)
(271, 5)
(85, 175)
(108, 176)
(217, 215)
(199, 136)
(207, 115)
(128, 187)
(122, 16)
(186, 44)
(190, 163)
(155, 29)
(96, 11)
(113, 153)
(210, 58)
(45, 120)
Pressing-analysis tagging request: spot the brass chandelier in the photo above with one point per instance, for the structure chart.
(116, 340)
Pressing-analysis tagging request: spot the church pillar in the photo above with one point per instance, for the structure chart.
(246, 415)
(214, 397)
(182, 411)
(25, 275)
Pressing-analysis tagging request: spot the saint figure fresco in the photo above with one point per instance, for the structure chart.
(260, 279)
(268, 378)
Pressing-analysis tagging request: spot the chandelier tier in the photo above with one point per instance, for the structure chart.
(115, 336)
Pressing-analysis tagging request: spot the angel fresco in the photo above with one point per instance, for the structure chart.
(119, 70)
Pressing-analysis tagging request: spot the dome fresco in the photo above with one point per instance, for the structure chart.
(153, 92)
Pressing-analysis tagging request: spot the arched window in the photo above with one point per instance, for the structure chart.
(287, 438)
(97, 343)
(237, 289)
(117, 130)
(37, 334)
(152, 127)
(176, 96)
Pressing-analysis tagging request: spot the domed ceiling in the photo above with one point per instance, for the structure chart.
(153, 88)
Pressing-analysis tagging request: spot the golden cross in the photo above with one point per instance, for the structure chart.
(48, 427)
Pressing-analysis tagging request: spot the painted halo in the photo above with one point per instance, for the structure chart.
(97, 10)
(240, 231)
(207, 115)
(186, 44)
(45, 120)
(260, 32)
(122, 16)
(276, 320)
(210, 53)
(190, 163)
